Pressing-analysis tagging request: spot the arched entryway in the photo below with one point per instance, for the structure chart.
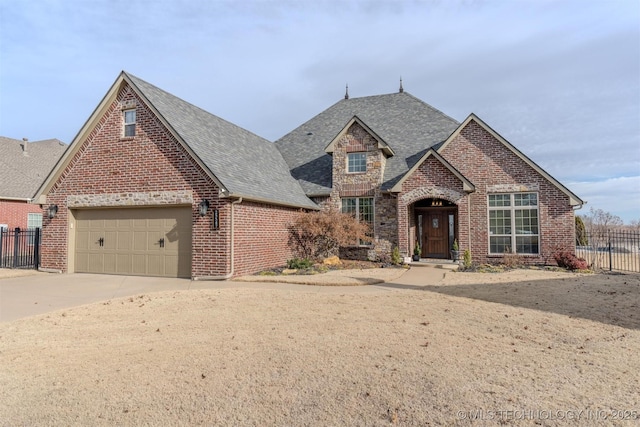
(435, 227)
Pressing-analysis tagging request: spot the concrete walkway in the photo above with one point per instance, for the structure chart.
(24, 294)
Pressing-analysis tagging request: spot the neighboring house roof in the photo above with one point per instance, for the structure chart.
(24, 165)
(242, 163)
(407, 125)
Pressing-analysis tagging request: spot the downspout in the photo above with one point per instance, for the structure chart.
(469, 220)
(231, 250)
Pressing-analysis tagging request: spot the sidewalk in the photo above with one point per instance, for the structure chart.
(25, 293)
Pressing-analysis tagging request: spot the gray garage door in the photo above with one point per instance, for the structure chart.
(134, 241)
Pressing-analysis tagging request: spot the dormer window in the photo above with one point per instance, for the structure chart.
(129, 123)
(356, 162)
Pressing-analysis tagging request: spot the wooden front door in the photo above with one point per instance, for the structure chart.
(435, 238)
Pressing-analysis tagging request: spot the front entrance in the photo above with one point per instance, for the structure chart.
(435, 226)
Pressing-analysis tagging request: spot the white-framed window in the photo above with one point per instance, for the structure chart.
(34, 220)
(129, 123)
(362, 209)
(514, 223)
(356, 162)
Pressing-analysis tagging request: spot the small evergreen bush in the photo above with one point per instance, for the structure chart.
(395, 256)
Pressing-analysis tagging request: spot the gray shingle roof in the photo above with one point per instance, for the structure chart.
(23, 171)
(408, 125)
(247, 165)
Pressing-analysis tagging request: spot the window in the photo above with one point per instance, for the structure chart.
(513, 223)
(356, 162)
(362, 209)
(34, 220)
(130, 123)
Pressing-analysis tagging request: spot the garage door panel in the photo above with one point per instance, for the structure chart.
(131, 241)
(110, 263)
(139, 264)
(123, 262)
(109, 240)
(140, 241)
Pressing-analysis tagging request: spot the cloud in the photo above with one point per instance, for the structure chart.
(619, 196)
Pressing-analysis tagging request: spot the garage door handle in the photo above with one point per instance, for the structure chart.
(161, 241)
(101, 241)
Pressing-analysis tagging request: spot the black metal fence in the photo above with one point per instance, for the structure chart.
(612, 250)
(20, 248)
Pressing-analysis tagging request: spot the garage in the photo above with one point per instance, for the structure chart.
(134, 241)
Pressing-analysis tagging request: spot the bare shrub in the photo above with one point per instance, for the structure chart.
(318, 235)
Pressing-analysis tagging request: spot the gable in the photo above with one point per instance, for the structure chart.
(152, 161)
(433, 158)
(490, 147)
(355, 121)
(239, 162)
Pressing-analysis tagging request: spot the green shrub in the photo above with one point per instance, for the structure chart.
(299, 263)
(467, 258)
(395, 256)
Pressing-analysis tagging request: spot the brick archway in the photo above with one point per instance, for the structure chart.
(406, 212)
(431, 193)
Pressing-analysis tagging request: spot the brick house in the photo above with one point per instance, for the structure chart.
(23, 167)
(153, 185)
(420, 178)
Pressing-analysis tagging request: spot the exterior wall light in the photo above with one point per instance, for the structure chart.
(52, 211)
(203, 207)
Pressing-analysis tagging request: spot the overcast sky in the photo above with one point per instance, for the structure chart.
(558, 79)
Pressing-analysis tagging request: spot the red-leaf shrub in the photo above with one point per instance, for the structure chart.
(568, 260)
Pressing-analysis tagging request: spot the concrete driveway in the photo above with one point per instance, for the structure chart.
(29, 293)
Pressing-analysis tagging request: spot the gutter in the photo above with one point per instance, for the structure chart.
(18, 199)
(231, 251)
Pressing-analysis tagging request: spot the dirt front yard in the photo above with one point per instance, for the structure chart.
(517, 348)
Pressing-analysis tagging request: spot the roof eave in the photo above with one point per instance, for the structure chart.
(311, 204)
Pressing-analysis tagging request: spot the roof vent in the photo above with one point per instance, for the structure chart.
(346, 93)
(401, 88)
(25, 141)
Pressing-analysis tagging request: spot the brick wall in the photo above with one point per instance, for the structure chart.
(493, 168)
(430, 180)
(14, 213)
(366, 184)
(261, 236)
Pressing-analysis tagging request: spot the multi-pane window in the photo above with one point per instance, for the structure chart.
(130, 123)
(356, 162)
(362, 209)
(34, 220)
(513, 223)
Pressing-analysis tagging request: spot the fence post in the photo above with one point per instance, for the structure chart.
(16, 246)
(36, 248)
(610, 255)
(2, 246)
